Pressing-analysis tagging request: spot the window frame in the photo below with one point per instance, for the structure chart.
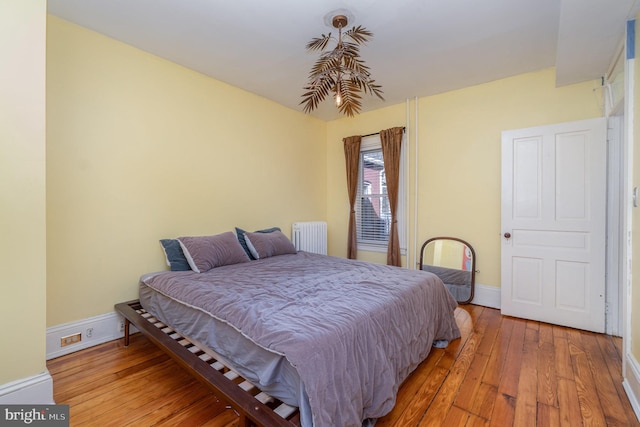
(373, 143)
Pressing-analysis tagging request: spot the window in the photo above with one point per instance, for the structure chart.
(373, 214)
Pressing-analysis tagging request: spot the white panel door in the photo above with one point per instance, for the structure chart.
(553, 224)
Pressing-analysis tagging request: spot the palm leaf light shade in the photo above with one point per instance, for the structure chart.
(340, 71)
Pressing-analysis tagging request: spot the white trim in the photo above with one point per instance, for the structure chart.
(631, 382)
(487, 296)
(416, 184)
(627, 211)
(37, 389)
(615, 234)
(94, 330)
(630, 366)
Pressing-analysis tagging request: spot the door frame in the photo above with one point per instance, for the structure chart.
(614, 303)
(618, 110)
(627, 208)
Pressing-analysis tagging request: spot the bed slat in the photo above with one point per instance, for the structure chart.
(244, 397)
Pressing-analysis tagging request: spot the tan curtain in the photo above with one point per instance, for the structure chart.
(352, 160)
(391, 140)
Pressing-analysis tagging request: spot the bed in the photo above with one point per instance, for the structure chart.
(332, 337)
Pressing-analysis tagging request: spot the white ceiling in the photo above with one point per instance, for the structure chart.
(419, 47)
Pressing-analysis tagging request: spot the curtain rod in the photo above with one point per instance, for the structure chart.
(378, 133)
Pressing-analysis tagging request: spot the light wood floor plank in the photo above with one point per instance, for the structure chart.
(490, 330)
(469, 388)
(547, 376)
(512, 364)
(548, 416)
(526, 404)
(484, 401)
(562, 355)
(422, 386)
(604, 383)
(590, 407)
(503, 411)
(568, 403)
(475, 421)
(442, 402)
(169, 402)
(415, 411)
(499, 352)
(502, 372)
(456, 417)
(614, 366)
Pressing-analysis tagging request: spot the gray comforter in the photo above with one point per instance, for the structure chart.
(352, 330)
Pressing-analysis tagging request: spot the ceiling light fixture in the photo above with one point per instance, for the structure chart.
(340, 70)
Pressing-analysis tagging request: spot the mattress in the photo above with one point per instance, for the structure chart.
(334, 337)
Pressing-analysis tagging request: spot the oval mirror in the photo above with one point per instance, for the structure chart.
(454, 261)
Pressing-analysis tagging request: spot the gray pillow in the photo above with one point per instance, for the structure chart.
(206, 252)
(174, 256)
(240, 234)
(264, 245)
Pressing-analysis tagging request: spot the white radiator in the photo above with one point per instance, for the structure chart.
(310, 236)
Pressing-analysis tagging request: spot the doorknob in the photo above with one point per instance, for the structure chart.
(507, 235)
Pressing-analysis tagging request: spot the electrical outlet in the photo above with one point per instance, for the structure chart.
(121, 326)
(70, 339)
(89, 332)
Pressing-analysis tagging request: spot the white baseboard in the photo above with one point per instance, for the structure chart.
(631, 382)
(36, 390)
(93, 331)
(487, 296)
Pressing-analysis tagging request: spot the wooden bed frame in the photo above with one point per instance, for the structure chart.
(254, 407)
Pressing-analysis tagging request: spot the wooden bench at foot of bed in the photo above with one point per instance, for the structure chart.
(254, 406)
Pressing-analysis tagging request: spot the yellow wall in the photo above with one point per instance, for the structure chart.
(22, 188)
(139, 148)
(459, 150)
(447, 253)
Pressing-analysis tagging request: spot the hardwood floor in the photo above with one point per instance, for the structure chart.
(502, 372)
